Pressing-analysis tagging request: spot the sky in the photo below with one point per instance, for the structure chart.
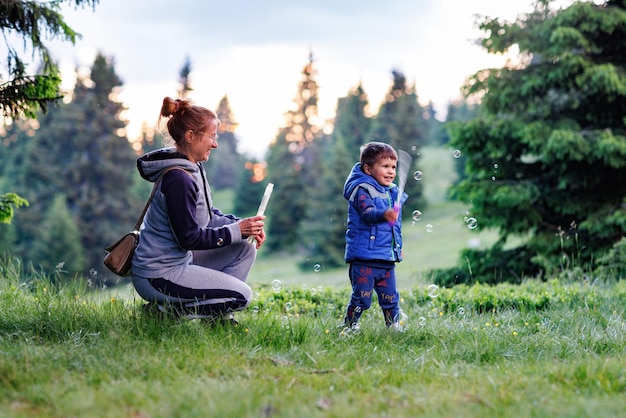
(254, 52)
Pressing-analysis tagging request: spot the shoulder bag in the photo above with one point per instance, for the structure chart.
(119, 255)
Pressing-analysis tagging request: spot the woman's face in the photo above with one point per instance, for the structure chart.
(202, 143)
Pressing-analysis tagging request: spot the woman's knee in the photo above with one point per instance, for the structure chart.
(248, 252)
(247, 295)
(147, 291)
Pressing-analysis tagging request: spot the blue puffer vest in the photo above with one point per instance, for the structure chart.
(375, 241)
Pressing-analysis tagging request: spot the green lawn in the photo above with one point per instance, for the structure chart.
(555, 349)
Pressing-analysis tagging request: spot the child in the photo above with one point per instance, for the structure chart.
(373, 237)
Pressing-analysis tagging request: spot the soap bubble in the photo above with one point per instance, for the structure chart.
(421, 321)
(288, 306)
(276, 285)
(495, 166)
(417, 175)
(429, 228)
(317, 268)
(461, 311)
(472, 223)
(416, 215)
(433, 290)
(456, 153)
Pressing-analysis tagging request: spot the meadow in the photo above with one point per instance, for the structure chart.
(540, 349)
(551, 348)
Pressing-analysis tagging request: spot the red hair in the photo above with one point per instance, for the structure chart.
(185, 116)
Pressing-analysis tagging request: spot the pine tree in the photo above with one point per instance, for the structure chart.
(185, 80)
(458, 111)
(252, 183)
(150, 140)
(400, 123)
(434, 128)
(224, 166)
(554, 130)
(30, 22)
(325, 225)
(80, 151)
(352, 125)
(288, 198)
(59, 240)
(22, 94)
(293, 166)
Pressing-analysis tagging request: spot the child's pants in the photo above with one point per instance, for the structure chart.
(366, 279)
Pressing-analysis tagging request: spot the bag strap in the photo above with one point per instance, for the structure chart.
(156, 184)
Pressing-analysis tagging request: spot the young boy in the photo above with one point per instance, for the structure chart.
(373, 237)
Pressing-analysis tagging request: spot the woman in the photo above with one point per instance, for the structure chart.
(191, 259)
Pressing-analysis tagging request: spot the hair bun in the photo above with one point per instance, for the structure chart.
(169, 107)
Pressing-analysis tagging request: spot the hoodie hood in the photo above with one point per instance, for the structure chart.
(358, 177)
(151, 164)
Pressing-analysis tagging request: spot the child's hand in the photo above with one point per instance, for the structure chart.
(391, 216)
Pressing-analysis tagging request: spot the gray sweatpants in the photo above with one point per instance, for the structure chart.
(213, 283)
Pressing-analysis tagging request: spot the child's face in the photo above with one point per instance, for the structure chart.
(383, 171)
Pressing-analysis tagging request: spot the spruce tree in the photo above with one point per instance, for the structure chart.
(252, 183)
(400, 123)
(23, 94)
(459, 111)
(59, 240)
(326, 212)
(352, 124)
(80, 151)
(553, 129)
(288, 198)
(225, 164)
(434, 128)
(29, 23)
(185, 79)
(292, 166)
(325, 225)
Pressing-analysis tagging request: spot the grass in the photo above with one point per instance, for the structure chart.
(536, 350)
(539, 349)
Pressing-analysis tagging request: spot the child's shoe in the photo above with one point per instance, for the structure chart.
(397, 327)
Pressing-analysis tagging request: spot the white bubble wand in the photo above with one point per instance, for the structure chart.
(266, 198)
(404, 165)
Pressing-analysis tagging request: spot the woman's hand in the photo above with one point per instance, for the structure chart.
(253, 226)
(259, 239)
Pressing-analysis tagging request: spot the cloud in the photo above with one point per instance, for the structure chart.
(254, 52)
